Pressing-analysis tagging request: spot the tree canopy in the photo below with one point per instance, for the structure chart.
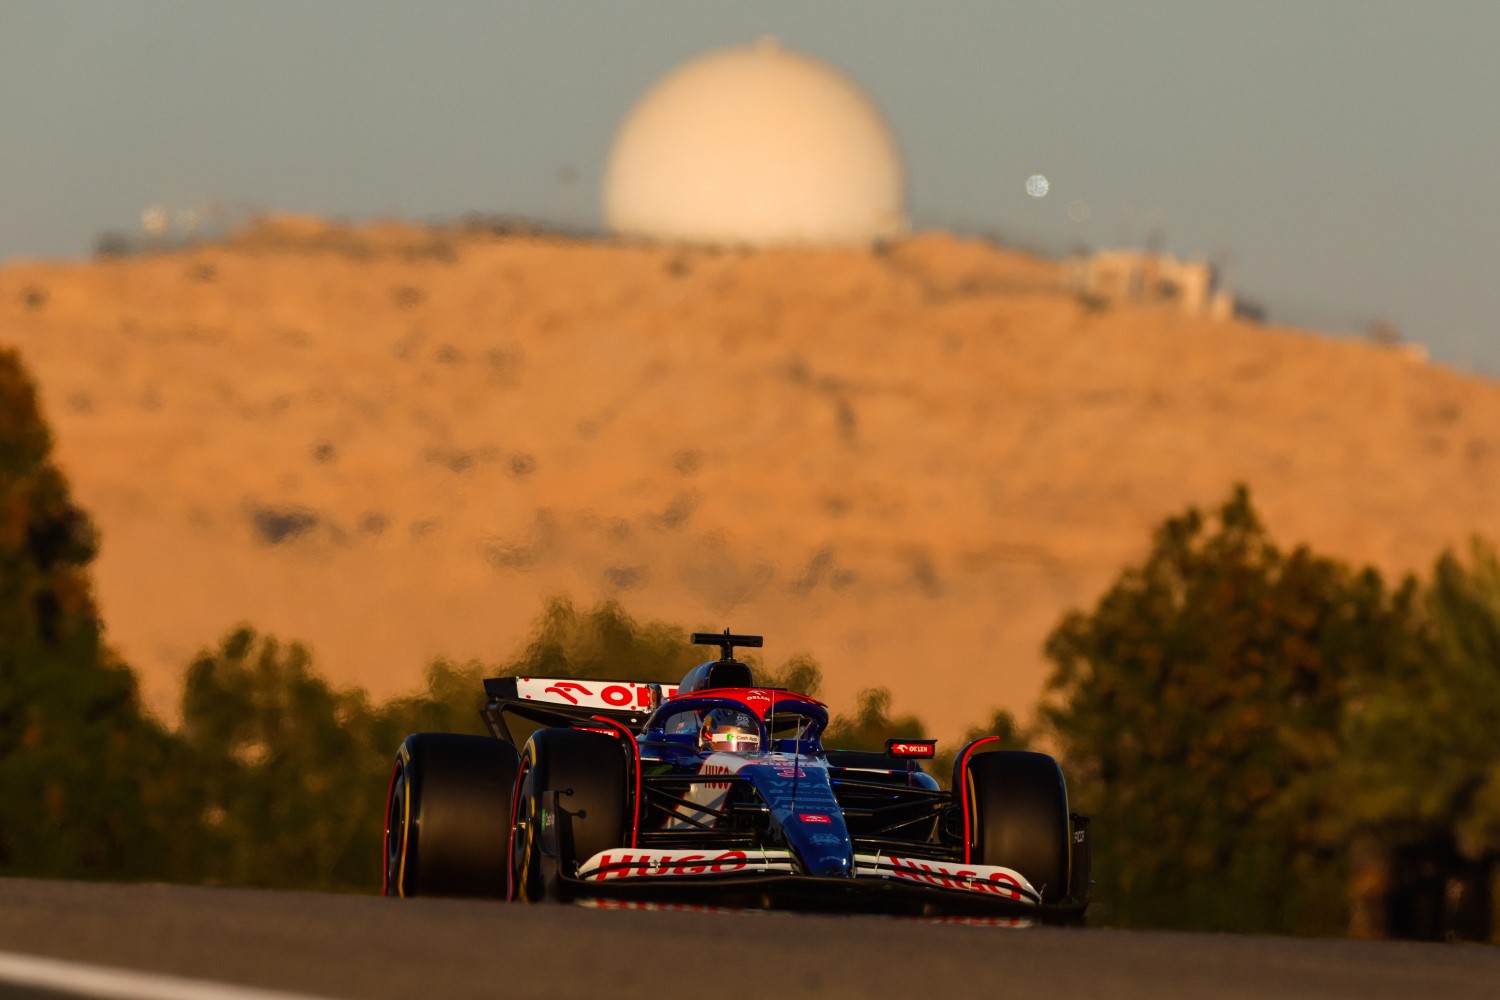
(1200, 706)
(74, 741)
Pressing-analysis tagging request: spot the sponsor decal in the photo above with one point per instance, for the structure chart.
(710, 768)
(813, 818)
(618, 695)
(973, 878)
(566, 689)
(709, 794)
(626, 863)
(911, 748)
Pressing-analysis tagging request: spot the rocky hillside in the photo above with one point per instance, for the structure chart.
(394, 442)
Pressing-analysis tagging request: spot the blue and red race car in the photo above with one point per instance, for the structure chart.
(716, 789)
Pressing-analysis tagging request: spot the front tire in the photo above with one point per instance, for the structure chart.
(448, 816)
(1019, 817)
(570, 805)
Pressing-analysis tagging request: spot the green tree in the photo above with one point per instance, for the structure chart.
(871, 723)
(76, 749)
(603, 641)
(1199, 708)
(1422, 775)
(1425, 736)
(800, 673)
(291, 770)
(448, 702)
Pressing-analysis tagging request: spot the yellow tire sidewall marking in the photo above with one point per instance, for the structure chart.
(405, 826)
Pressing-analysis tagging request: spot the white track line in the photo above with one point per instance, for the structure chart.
(123, 984)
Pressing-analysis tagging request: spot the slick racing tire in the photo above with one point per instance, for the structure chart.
(1020, 817)
(447, 816)
(570, 805)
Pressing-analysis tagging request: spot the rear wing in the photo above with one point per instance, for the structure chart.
(563, 701)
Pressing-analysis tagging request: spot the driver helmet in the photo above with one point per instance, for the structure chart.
(730, 730)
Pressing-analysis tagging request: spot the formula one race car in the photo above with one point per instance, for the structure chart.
(717, 789)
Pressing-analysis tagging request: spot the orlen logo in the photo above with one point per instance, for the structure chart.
(813, 818)
(613, 695)
(563, 689)
(686, 864)
(911, 748)
(920, 871)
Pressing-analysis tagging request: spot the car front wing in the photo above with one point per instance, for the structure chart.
(767, 877)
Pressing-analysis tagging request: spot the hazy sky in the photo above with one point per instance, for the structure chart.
(1338, 158)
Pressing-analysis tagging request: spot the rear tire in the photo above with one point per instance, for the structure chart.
(553, 835)
(1019, 817)
(448, 816)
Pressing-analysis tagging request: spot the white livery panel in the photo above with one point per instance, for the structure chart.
(991, 879)
(619, 696)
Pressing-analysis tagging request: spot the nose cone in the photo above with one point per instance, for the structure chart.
(836, 862)
(820, 841)
(804, 807)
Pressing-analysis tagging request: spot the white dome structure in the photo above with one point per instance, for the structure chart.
(757, 146)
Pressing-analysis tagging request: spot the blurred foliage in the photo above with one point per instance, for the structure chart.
(74, 742)
(286, 764)
(1199, 708)
(871, 722)
(1236, 716)
(800, 673)
(448, 702)
(1424, 739)
(602, 642)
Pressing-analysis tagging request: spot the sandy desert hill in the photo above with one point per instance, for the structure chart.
(393, 442)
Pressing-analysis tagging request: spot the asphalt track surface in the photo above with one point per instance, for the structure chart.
(367, 947)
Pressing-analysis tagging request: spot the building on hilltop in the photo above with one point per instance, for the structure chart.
(1144, 276)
